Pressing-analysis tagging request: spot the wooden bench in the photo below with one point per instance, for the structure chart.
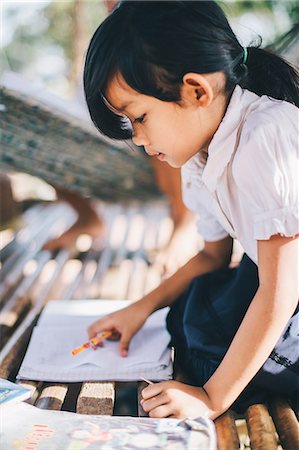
(116, 268)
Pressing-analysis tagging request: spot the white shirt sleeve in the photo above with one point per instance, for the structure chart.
(266, 171)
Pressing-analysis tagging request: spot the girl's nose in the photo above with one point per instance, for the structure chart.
(139, 139)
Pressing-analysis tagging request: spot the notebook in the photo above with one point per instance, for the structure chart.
(63, 327)
(12, 393)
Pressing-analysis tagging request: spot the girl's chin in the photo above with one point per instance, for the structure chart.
(173, 164)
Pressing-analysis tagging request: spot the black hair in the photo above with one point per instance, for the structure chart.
(152, 44)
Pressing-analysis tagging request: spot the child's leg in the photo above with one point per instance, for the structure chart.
(8, 205)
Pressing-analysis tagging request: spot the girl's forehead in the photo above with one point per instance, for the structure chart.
(120, 95)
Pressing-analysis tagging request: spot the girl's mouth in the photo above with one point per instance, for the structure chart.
(161, 156)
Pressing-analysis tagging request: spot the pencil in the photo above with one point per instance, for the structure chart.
(147, 381)
(93, 341)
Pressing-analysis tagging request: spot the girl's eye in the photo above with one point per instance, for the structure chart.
(139, 119)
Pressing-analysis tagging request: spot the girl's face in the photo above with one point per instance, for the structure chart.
(169, 131)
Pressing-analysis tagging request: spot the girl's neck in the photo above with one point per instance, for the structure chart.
(217, 112)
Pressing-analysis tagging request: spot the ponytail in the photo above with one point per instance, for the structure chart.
(269, 74)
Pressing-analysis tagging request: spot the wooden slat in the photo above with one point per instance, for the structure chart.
(226, 430)
(13, 351)
(91, 273)
(12, 359)
(14, 306)
(34, 238)
(286, 423)
(52, 396)
(95, 286)
(261, 428)
(96, 398)
(34, 387)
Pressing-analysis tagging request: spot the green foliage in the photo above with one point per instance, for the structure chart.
(52, 27)
(61, 22)
(238, 7)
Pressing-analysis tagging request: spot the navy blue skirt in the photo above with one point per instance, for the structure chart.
(204, 320)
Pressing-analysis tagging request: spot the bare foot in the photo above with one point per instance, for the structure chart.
(88, 221)
(93, 228)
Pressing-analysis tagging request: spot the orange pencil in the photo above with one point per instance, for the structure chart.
(93, 341)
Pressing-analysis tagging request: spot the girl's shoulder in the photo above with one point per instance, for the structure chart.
(269, 127)
(268, 140)
(268, 113)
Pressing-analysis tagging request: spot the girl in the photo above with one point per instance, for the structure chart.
(173, 76)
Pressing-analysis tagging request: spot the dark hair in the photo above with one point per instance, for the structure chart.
(153, 44)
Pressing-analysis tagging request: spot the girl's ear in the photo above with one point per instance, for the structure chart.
(197, 89)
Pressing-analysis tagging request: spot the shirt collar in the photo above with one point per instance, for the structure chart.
(225, 140)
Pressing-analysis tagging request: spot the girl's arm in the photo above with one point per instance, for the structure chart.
(213, 256)
(263, 324)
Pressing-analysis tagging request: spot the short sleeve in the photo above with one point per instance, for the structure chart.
(197, 198)
(266, 172)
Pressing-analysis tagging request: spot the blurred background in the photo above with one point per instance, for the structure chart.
(45, 42)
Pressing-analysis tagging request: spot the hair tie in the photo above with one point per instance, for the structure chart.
(245, 54)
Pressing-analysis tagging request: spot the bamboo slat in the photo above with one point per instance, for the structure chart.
(226, 430)
(261, 428)
(286, 423)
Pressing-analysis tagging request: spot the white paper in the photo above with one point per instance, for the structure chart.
(63, 327)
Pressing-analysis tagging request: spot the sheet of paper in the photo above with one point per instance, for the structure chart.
(63, 326)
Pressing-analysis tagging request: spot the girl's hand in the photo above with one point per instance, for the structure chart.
(178, 400)
(123, 324)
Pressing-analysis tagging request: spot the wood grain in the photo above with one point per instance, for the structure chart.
(286, 423)
(96, 398)
(226, 430)
(52, 396)
(261, 428)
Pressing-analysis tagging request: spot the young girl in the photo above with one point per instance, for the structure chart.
(173, 77)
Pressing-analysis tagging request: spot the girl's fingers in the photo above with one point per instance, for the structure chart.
(161, 411)
(125, 343)
(154, 402)
(98, 344)
(99, 326)
(93, 329)
(95, 346)
(115, 336)
(152, 390)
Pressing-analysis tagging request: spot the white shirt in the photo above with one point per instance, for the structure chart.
(249, 186)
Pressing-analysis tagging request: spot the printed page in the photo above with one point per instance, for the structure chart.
(56, 430)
